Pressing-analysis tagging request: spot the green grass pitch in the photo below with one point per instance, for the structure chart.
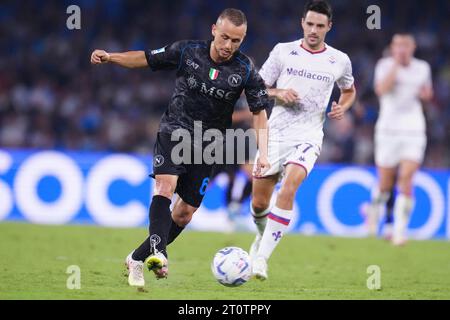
(34, 261)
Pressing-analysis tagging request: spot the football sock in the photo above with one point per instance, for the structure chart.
(379, 200)
(160, 223)
(144, 250)
(375, 208)
(402, 209)
(277, 224)
(174, 232)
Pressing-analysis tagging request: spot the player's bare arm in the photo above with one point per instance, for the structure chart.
(387, 84)
(287, 96)
(346, 101)
(262, 140)
(130, 59)
(426, 93)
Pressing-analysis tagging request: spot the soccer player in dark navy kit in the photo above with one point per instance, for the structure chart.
(210, 77)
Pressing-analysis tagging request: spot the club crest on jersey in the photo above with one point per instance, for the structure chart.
(213, 74)
(161, 50)
(158, 161)
(234, 80)
(332, 60)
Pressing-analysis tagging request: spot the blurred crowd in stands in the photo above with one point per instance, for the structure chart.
(51, 97)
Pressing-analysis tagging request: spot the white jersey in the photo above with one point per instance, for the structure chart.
(400, 109)
(312, 76)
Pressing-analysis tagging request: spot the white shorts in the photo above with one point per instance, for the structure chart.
(281, 154)
(390, 150)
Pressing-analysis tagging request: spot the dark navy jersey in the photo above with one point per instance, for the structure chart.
(205, 90)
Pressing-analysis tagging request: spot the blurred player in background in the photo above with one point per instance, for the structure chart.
(304, 72)
(211, 75)
(402, 83)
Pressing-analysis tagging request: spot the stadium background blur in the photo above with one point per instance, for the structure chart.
(52, 98)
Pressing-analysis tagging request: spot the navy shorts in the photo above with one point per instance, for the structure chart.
(193, 179)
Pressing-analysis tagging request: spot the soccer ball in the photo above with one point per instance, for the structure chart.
(231, 266)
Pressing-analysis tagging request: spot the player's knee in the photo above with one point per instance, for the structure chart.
(183, 215)
(164, 188)
(386, 187)
(260, 204)
(405, 187)
(182, 220)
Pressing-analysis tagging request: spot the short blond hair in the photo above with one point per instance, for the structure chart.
(235, 16)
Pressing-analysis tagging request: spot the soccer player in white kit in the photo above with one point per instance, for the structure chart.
(402, 82)
(304, 72)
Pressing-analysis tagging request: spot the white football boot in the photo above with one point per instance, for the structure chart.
(259, 268)
(135, 271)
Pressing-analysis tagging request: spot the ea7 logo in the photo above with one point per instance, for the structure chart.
(192, 64)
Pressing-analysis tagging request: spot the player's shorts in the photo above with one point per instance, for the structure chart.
(283, 153)
(390, 150)
(193, 179)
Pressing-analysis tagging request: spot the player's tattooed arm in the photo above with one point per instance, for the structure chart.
(130, 59)
(346, 100)
(286, 96)
(262, 139)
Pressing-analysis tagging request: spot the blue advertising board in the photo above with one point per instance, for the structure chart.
(52, 187)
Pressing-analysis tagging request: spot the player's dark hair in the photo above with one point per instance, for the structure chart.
(319, 6)
(236, 16)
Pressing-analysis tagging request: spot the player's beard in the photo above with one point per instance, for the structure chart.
(226, 55)
(221, 53)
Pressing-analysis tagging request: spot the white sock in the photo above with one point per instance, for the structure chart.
(277, 223)
(402, 210)
(375, 209)
(260, 219)
(379, 200)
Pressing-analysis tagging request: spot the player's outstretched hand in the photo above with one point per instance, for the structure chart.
(262, 165)
(337, 112)
(99, 57)
(287, 96)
